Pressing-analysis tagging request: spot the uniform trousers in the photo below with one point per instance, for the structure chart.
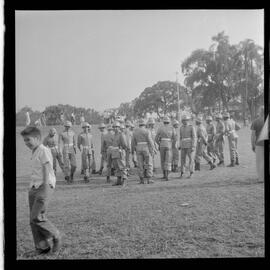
(166, 158)
(184, 153)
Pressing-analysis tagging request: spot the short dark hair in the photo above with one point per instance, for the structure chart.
(31, 131)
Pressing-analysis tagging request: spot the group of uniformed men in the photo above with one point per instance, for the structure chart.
(120, 141)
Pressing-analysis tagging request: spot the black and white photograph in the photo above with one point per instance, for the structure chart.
(140, 134)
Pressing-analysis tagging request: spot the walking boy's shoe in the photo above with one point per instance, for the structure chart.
(237, 161)
(141, 180)
(181, 175)
(57, 243)
(149, 181)
(118, 182)
(108, 179)
(86, 179)
(232, 164)
(221, 163)
(190, 175)
(212, 165)
(197, 166)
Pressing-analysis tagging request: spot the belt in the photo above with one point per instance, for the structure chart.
(142, 143)
(186, 139)
(68, 144)
(114, 147)
(165, 139)
(86, 147)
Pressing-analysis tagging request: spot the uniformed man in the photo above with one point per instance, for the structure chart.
(143, 145)
(93, 165)
(236, 127)
(166, 139)
(187, 144)
(106, 148)
(211, 132)
(67, 138)
(128, 134)
(151, 128)
(102, 129)
(231, 134)
(52, 141)
(134, 158)
(202, 140)
(175, 150)
(85, 145)
(119, 145)
(219, 140)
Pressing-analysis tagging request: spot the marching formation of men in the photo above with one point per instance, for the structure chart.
(122, 145)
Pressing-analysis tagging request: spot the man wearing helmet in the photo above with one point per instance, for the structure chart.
(134, 158)
(67, 137)
(202, 140)
(175, 150)
(166, 140)
(119, 145)
(51, 141)
(211, 132)
(85, 145)
(102, 129)
(231, 134)
(219, 140)
(128, 135)
(187, 144)
(143, 145)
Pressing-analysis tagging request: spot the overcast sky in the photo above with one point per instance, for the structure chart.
(99, 59)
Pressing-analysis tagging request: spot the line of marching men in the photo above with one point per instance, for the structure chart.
(121, 144)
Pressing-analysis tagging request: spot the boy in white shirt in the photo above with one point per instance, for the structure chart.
(41, 189)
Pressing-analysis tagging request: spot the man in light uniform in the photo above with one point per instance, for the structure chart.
(231, 134)
(143, 145)
(236, 127)
(134, 157)
(151, 128)
(220, 140)
(118, 148)
(188, 141)
(175, 150)
(67, 137)
(102, 129)
(106, 148)
(52, 141)
(202, 139)
(166, 139)
(128, 135)
(85, 145)
(211, 132)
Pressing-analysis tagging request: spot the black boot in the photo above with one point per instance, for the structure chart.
(149, 181)
(212, 165)
(112, 171)
(141, 180)
(100, 171)
(144, 173)
(221, 163)
(118, 182)
(86, 179)
(166, 175)
(108, 179)
(237, 161)
(123, 182)
(190, 174)
(197, 166)
(163, 175)
(181, 175)
(232, 164)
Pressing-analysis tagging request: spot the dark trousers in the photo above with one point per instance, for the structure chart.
(42, 228)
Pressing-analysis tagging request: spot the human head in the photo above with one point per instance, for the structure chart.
(198, 120)
(226, 116)
(151, 122)
(175, 123)
(166, 120)
(110, 128)
(122, 127)
(86, 126)
(52, 131)
(102, 127)
(132, 126)
(185, 119)
(128, 124)
(209, 119)
(142, 123)
(67, 125)
(116, 126)
(219, 117)
(31, 136)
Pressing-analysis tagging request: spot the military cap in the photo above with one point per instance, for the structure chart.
(184, 117)
(116, 124)
(166, 119)
(67, 124)
(109, 127)
(122, 126)
(226, 114)
(142, 122)
(199, 119)
(219, 116)
(209, 118)
(128, 124)
(85, 124)
(102, 125)
(151, 121)
(132, 125)
(52, 130)
(175, 122)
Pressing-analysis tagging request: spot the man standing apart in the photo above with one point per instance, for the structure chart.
(85, 140)
(220, 140)
(202, 139)
(128, 134)
(119, 147)
(67, 137)
(134, 159)
(175, 150)
(166, 139)
(258, 147)
(188, 141)
(102, 129)
(144, 146)
(211, 132)
(52, 141)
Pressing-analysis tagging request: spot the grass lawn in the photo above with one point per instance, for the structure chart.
(217, 213)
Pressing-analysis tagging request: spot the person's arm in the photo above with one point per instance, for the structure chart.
(253, 140)
(45, 141)
(194, 139)
(45, 158)
(45, 171)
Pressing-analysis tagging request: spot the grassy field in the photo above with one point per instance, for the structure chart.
(215, 214)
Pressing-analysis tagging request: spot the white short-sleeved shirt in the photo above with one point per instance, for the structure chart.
(41, 156)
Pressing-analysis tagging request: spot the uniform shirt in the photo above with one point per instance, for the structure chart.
(211, 131)
(106, 142)
(85, 140)
(41, 156)
(120, 141)
(166, 136)
(202, 134)
(68, 139)
(230, 128)
(51, 141)
(142, 136)
(257, 125)
(128, 134)
(187, 136)
(153, 136)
